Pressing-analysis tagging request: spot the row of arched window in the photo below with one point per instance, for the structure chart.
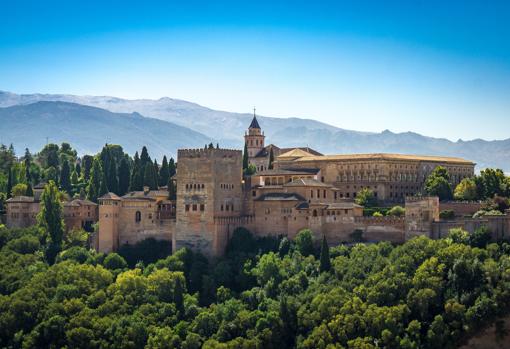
(226, 186)
(195, 186)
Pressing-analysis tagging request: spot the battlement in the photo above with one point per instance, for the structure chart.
(420, 198)
(207, 153)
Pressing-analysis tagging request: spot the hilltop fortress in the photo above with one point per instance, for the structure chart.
(293, 189)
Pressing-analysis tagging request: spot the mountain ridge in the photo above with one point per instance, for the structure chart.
(282, 131)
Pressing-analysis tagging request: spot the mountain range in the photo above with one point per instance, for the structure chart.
(165, 124)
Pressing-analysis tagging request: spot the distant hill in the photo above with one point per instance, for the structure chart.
(88, 128)
(228, 128)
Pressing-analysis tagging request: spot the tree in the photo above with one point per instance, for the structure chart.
(19, 189)
(366, 198)
(437, 184)
(94, 185)
(304, 242)
(271, 159)
(103, 188)
(65, 177)
(149, 177)
(112, 181)
(397, 211)
(164, 173)
(466, 190)
(87, 161)
(245, 157)
(30, 191)
(172, 190)
(50, 219)
(114, 262)
(9, 183)
(123, 177)
(136, 182)
(492, 182)
(171, 167)
(325, 262)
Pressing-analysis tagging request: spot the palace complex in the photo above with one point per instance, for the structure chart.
(292, 189)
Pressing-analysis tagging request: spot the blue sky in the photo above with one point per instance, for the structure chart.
(440, 68)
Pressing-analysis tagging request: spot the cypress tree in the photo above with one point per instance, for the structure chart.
(156, 172)
(30, 191)
(164, 173)
(144, 157)
(271, 159)
(28, 178)
(9, 183)
(136, 175)
(65, 177)
(87, 161)
(50, 219)
(74, 178)
(123, 177)
(103, 189)
(171, 167)
(211, 146)
(94, 181)
(77, 168)
(245, 157)
(112, 182)
(325, 262)
(172, 190)
(149, 177)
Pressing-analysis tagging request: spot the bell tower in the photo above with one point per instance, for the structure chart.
(254, 138)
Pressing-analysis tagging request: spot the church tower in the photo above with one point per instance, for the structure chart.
(254, 138)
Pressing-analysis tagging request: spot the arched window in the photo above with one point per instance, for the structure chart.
(138, 216)
(315, 213)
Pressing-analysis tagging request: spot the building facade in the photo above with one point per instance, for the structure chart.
(292, 189)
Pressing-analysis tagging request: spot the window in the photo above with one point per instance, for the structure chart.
(187, 208)
(138, 216)
(194, 207)
(253, 193)
(202, 207)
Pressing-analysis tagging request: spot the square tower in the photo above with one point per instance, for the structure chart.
(209, 189)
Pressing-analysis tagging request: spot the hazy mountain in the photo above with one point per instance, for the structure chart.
(228, 128)
(87, 129)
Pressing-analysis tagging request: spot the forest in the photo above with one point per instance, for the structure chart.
(265, 293)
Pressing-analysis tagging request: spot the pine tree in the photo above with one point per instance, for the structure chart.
(271, 159)
(123, 177)
(136, 182)
(9, 183)
(245, 157)
(149, 177)
(50, 219)
(94, 181)
(172, 167)
(164, 173)
(65, 177)
(325, 262)
(112, 181)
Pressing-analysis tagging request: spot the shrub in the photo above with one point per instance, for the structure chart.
(447, 214)
(397, 211)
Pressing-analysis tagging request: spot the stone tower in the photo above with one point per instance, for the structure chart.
(254, 138)
(108, 236)
(208, 192)
(421, 212)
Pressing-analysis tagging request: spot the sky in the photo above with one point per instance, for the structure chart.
(439, 68)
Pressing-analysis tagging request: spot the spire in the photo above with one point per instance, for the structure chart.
(254, 122)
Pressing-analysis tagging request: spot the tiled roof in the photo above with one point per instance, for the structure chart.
(343, 205)
(306, 149)
(21, 199)
(297, 171)
(280, 197)
(80, 202)
(110, 196)
(254, 123)
(150, 195)
(295, 153)
(306, 182)
(384, 156)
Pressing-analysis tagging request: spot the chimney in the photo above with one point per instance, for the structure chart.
(146, 189)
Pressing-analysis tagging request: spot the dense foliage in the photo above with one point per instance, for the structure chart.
(263, 294)
(89, 177)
